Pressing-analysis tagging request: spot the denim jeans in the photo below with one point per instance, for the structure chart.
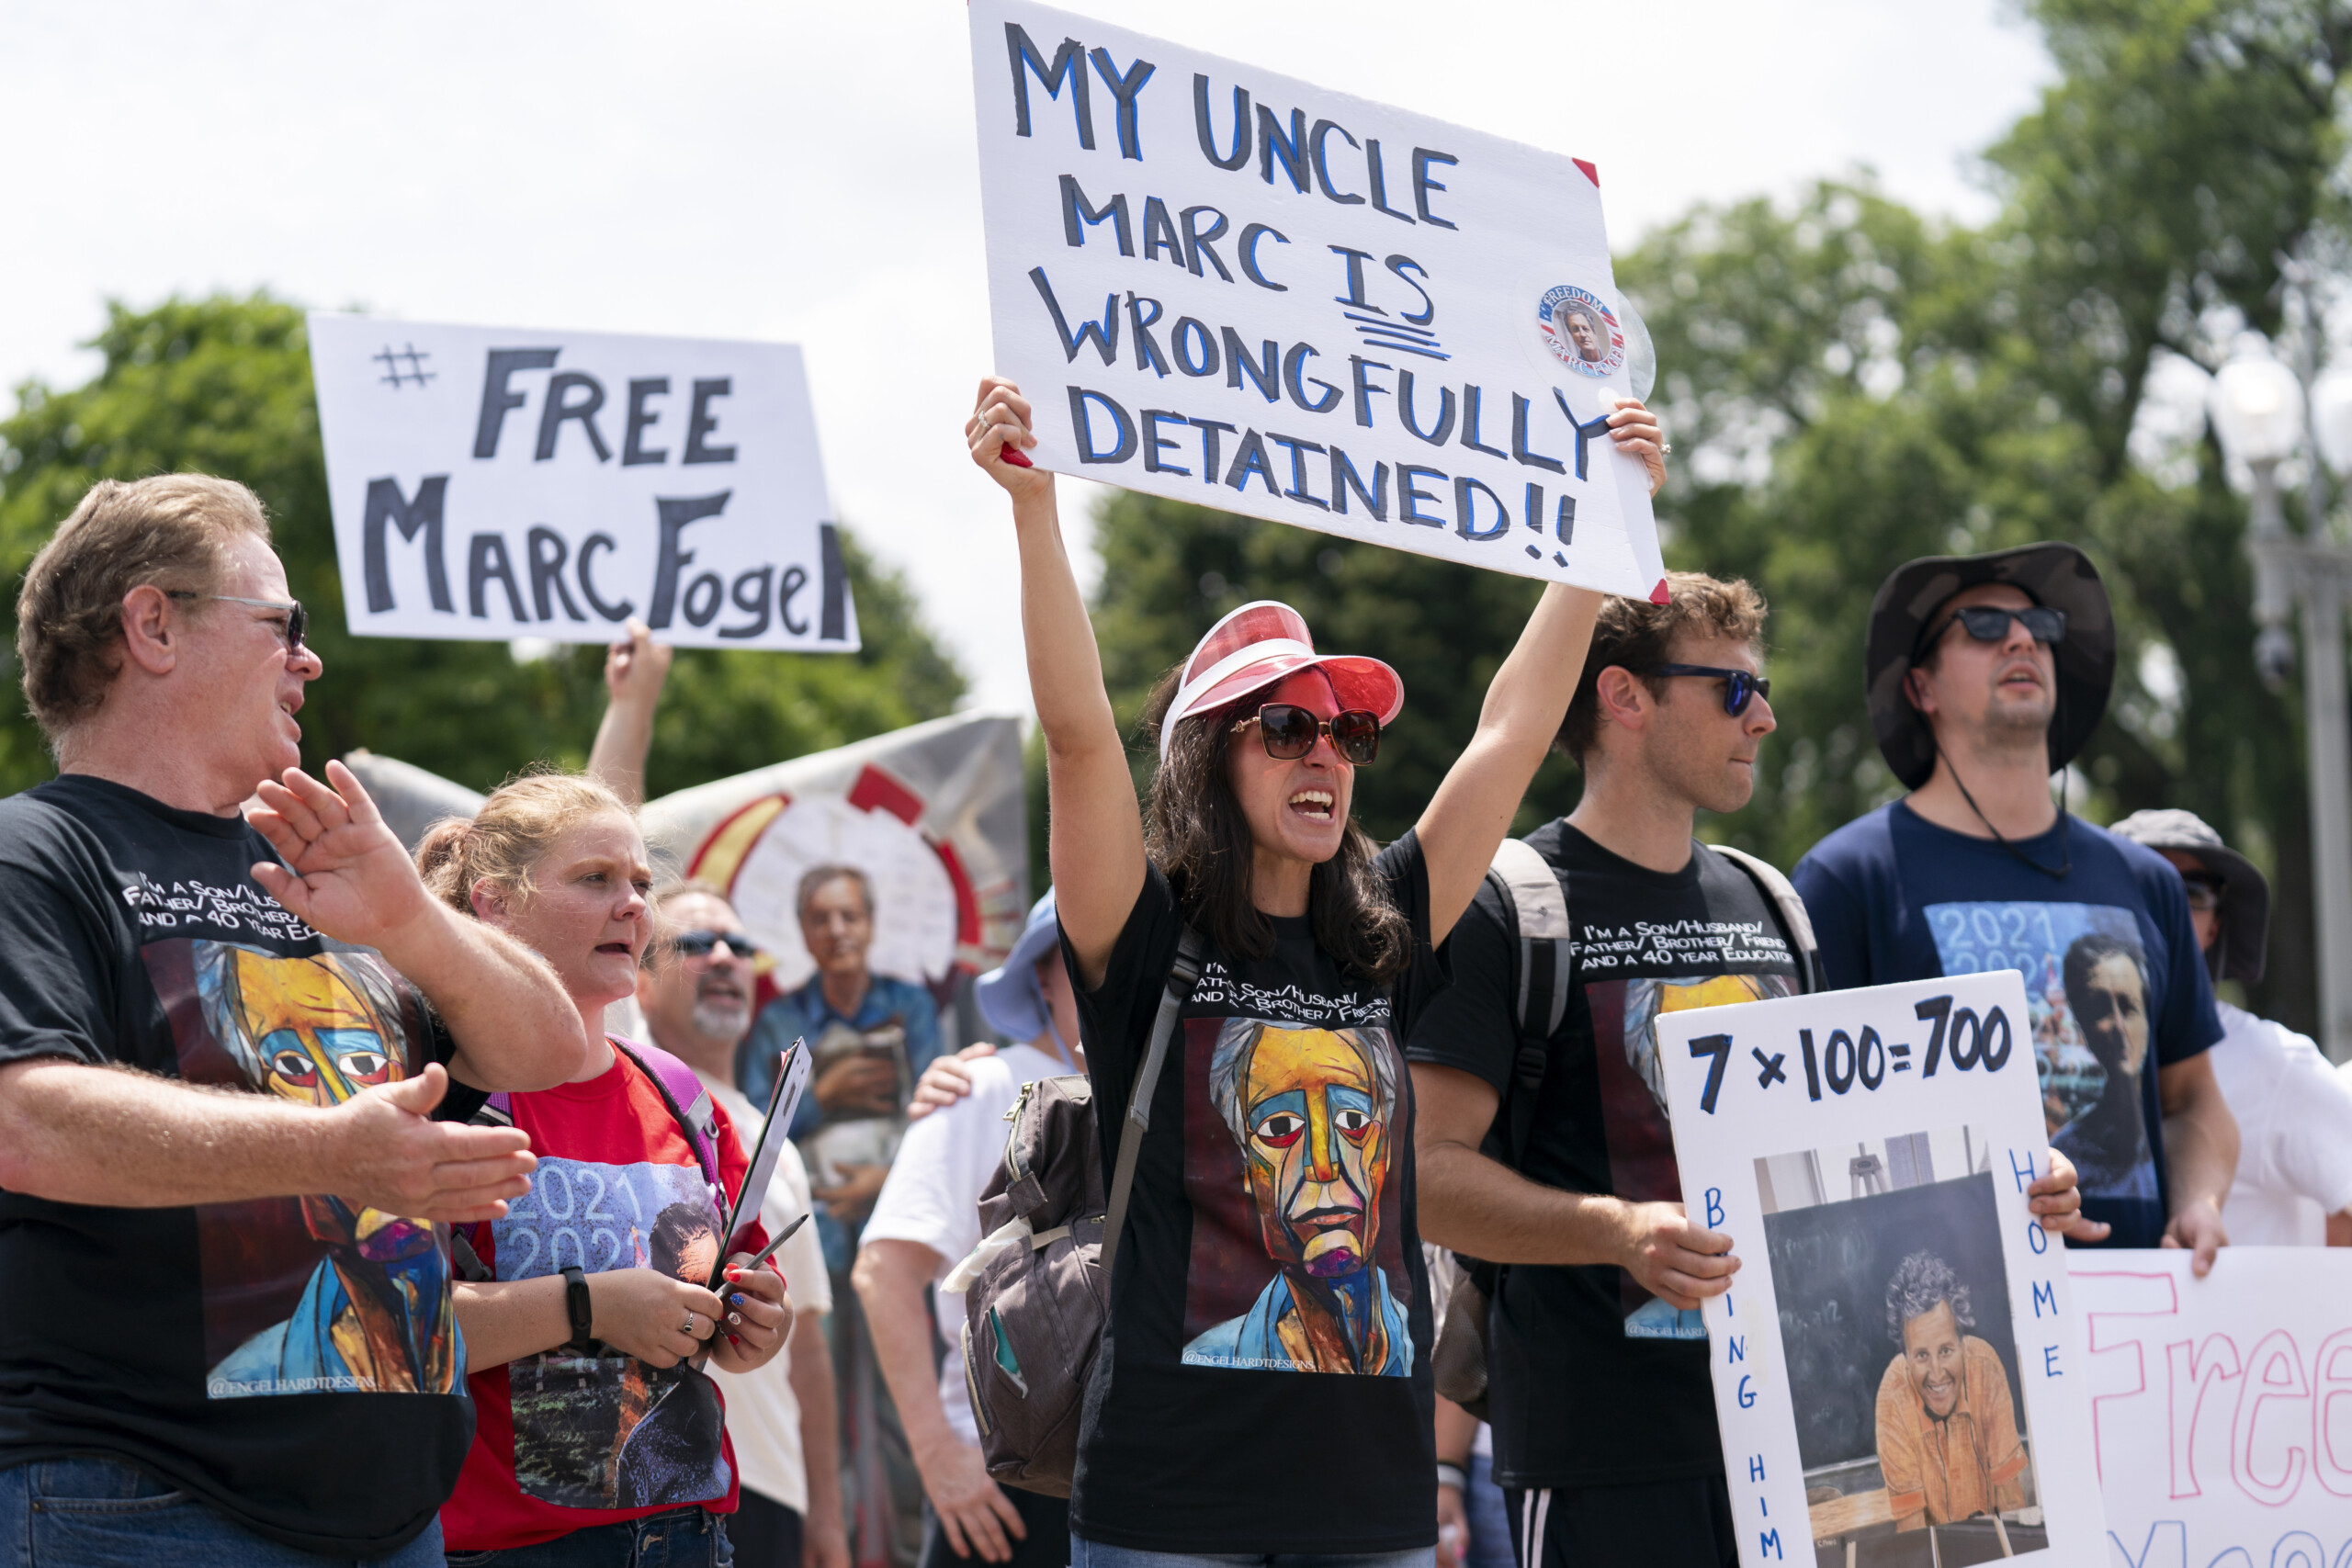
(1093, 1554)
(683, 1538)
(89, 1512)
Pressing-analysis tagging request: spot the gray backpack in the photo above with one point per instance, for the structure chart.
(1037, 1288)
(1534, 894)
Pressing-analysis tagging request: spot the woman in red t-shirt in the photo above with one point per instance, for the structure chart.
(598, 1439)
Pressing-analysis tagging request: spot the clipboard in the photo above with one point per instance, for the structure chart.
(791, 1082)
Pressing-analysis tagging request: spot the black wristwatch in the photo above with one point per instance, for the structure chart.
(577, 1307)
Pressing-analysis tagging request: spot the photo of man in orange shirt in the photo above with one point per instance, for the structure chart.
(1948, 1442)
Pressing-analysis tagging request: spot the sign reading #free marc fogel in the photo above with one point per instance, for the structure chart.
(1229, 287)
(498, 484)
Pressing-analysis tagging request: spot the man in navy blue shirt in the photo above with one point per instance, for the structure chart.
(1983, 674)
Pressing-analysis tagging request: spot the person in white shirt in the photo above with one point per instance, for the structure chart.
(696, 995)
(926, 1220)
(2294, 1111)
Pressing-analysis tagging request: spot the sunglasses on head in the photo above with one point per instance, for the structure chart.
(698, 945)
(297, 620)
(1990, 623)
(1740, 686)
(1289, 732)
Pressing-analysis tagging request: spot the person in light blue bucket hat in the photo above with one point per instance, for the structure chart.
(926, 1219)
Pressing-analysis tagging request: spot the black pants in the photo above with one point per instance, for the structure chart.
(1661, 1524)
(765, 1533)
(1046, 1519)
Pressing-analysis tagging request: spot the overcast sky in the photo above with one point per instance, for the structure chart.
(806, 174)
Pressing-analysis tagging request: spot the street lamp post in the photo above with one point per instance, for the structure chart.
(2258, 412)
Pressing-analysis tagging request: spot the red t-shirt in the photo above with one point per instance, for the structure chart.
(564, 1443)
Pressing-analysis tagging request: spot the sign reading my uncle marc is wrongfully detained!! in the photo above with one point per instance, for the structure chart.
(1229, 286)
(497, 483)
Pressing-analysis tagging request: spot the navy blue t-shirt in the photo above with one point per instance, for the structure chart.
(2112, 972)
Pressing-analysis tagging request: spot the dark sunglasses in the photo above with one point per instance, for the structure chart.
(297, 620)
(1289, 732)
(1740, 686)
(698, 945)
(1990, 623)
(2204, 895)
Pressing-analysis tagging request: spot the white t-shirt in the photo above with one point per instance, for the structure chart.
(762, 1413)
(2294, 1113)
(932, 1194)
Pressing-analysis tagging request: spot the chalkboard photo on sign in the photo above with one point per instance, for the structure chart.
(1895, 1331)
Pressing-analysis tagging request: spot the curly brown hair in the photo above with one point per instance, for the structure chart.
(168, 532)
(1632, 633)
(1196, 832)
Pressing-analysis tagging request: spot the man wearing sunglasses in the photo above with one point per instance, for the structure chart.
(2293, 1186)
(159, 1399)
(1983, 675)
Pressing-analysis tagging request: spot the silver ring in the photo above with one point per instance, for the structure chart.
(687, 1327)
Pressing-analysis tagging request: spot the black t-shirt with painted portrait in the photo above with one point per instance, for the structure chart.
(292, 1361)
(1592, 1381)
(1263, 1384)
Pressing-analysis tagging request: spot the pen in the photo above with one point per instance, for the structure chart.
(769, 1250)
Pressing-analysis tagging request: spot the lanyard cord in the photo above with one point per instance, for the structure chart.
(2065, 842)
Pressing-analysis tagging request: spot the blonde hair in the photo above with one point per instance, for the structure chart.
(169, 532)
(503, 842)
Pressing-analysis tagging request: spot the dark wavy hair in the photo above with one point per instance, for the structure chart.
(1195, 832)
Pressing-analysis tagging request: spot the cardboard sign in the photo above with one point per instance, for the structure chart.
(1224, 285)
(497, 483)
(2222, 1408)
(1896, 1369)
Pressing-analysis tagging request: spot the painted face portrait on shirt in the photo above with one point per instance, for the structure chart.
(2108, 997)
(1311, 1109)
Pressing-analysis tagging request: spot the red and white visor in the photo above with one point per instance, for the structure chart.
(1259, 644)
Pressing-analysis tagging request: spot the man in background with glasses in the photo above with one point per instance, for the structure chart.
(1984, 675)
(2293, 1186)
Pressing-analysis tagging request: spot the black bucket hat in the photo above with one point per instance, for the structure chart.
(2245, 892)
(2055, 574)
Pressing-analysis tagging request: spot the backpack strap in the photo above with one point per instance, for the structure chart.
(1181, 977)
(1795, 924)
(1535, 903)
(690, 1105)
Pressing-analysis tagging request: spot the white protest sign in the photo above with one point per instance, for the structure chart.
(2221, 1406)
(1224, 285)
(496, 482)
(1896, 1354)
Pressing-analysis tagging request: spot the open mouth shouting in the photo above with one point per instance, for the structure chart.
(1315, 805)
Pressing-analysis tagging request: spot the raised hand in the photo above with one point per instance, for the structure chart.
(636, 667)
(1635, 429)
(350, 878)
(1001, 422)
(382, 1150)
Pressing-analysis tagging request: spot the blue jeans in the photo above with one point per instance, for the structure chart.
(1093, 1554)
(682, 1538)
(1490, 1519)
(89, 1512)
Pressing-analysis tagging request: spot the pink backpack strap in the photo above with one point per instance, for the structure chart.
(689, 1102)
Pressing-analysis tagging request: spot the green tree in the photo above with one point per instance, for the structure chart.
(222, 386)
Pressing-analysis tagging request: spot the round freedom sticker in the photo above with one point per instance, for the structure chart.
(1580, 330)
